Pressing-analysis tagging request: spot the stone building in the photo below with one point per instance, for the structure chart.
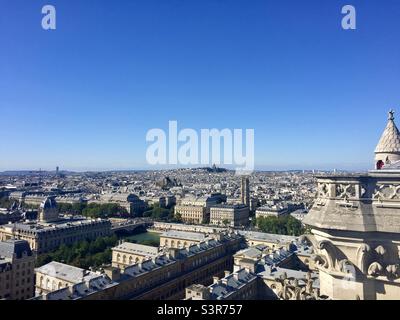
(355, 223)
(245, 191)
(56, 276)
(131, 202)
(271, 211)
(262, 273)
(48, 211)
(192, 214)
(274, 241)
(164, 277)
(197, 210)
(239, 285)
(127, 254)
(50, 232)
(181, 239)
(17, 263)
(229, 215)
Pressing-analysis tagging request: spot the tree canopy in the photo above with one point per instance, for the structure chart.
(83, 254)
(285, 225)
(94, 210)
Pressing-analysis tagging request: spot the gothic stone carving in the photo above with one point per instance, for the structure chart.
(380, 262)
(291, 289)
(345, 191)
(386, 192)
(323, 190)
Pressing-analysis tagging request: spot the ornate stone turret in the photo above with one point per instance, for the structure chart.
(355, 223)
(388, 148)
(48, 211)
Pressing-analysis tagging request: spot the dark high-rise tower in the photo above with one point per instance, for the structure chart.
(245, 191)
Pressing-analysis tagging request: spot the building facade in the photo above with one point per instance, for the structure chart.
(271, 211)
(197, 210)
(17, 264)
(127, 254)
(192, 214)
(56, 276)
(181, 239)
(229, 215)
(164, 277)
(50, 232)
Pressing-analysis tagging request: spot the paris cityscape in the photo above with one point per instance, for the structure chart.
(202, 233)
(199, 152)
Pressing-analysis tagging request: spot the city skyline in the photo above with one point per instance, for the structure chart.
(83, 96)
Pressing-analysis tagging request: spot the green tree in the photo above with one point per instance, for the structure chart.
(286, 225)
(178, 217)
(83, 254)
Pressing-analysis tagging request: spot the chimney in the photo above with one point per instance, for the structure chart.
(113, 273)
(227, 273)
(215, 280)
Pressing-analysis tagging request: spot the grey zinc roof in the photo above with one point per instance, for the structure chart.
(64, 223)
(184, 235)
(230, 284)
(137, 249)
(260, 236)
(390, 140)
(66, 272)
(10, 248)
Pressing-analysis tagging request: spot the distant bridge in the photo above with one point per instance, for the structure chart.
(130, 225)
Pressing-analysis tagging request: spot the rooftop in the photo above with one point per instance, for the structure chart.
(137, 249)
(230, 284)
(66, 272)
(194, 236)
(261, 236)
(64, 223)
(17, 248)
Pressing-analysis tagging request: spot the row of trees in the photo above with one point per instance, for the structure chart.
(162, 214)
(94, 210)
(285, 225)
(84, 254)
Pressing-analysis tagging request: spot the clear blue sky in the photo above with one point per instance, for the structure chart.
(84, 96)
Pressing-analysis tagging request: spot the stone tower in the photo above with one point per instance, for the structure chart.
(48, 211)
(388, 148)
(355, 225)
(245, 191)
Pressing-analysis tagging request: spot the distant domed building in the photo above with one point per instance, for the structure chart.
(48, 211)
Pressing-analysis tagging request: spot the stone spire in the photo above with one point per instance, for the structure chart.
(388, 148)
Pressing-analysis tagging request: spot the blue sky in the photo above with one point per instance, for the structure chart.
(84, 96)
